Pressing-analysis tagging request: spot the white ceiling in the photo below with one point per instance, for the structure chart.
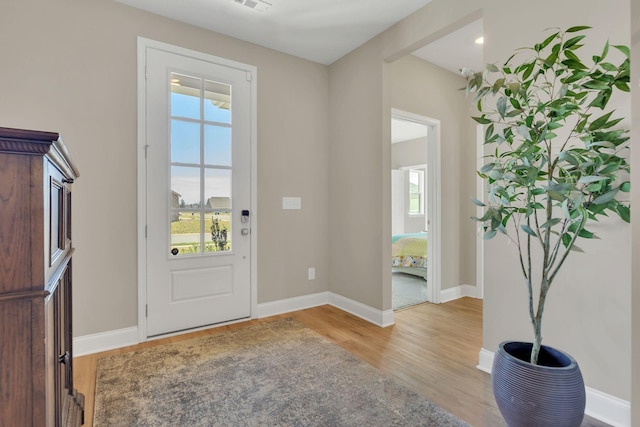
(456, 50)
(319, 30)
(406, 130)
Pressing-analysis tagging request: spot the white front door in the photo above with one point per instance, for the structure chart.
(198, 182)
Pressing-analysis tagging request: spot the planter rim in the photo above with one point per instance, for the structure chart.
(572, 362)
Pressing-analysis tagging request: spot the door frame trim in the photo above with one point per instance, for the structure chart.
(434, 200)
(142, 45)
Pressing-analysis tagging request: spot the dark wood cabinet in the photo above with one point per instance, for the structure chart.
(36, 372)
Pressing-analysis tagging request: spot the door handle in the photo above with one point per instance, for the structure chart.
(245, 231)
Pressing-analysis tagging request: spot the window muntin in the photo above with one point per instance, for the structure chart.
(416, 192)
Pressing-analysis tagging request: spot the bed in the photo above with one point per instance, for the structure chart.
(409, 254)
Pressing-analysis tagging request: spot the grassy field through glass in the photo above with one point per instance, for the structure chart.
(185, 232)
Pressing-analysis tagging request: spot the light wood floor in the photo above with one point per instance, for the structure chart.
(432, 349)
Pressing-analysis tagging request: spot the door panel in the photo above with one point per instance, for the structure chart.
(197, 283)
(198, 170)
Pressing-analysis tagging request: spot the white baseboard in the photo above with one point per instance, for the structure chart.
(370, 314)
(291, 304)
(103, 341)
(485, 360)
(601, 406)
(456, 292)
(608, 409)
(95, 343)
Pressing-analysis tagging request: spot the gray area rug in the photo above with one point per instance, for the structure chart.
(407, 290)
(276, 373)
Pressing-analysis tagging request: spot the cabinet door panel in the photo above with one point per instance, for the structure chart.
(57, 237)
(51, 354)
(15, 352)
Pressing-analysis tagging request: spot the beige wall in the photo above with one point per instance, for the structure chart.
(423, 88)
(409, 153)
(70, 66)
(357, 181)
(589, 313)
(635, 213)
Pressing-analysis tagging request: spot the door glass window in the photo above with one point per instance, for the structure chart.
(200, 163)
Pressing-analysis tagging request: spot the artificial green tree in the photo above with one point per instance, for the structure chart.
(558, 159)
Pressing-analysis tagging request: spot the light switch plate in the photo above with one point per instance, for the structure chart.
(291, 203)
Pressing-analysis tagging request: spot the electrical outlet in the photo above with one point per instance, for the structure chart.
(312, 273)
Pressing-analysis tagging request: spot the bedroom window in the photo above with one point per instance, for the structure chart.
(416, 192)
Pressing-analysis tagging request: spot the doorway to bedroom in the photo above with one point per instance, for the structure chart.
(413, 187)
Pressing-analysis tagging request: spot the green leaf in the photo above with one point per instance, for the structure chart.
(528, 230)
(612, 123)
(486, 168)
(596, 84)
(624, 49)
(492, 68)
(625, 186)
(572, 42)
(523, 131)
(600, 121)
(574, 65)
(590, 179)
(586, 234)
(571, 55)
(551, 223)
(577, 28)
(575, 76)
(560, 187)
(624, 212)
(497, 85)
(529, 69)
(554, 125)
(605, 51)
(485, 217)
(565, 209)
(607, 66)
(622, 86)
(514, 87)
(477, 202)
(489, 235)
(482, 120)
(546, 42)
(488, 133)
(502, 106)
(596, 188)
(601, 99)
(551, 59)
(606, 197)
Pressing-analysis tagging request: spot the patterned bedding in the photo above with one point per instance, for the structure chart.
(409, 250)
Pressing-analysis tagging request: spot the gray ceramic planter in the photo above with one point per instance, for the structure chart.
(550, 394)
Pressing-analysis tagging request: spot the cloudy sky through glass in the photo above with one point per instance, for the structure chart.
(185, 148)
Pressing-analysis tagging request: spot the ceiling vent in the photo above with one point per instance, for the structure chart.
(257, 5)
